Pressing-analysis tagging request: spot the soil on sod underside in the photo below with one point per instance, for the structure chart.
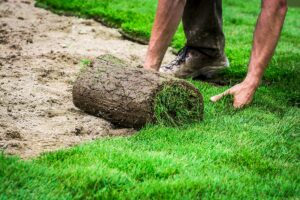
(133, 97)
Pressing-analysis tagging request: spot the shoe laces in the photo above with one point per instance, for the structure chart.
(181, 58)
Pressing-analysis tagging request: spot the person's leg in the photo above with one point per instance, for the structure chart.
(203, 54)
(202, 22)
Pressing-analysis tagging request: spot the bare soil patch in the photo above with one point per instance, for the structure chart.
(40, 56)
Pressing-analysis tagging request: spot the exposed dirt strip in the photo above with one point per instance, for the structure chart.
(40, 56)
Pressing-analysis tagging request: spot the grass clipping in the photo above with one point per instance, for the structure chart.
(175, 105)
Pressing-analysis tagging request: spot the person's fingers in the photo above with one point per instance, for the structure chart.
(237, 104)
(219, 96)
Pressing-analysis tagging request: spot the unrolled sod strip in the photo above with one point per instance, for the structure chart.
(133, 97)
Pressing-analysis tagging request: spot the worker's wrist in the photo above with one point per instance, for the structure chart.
(152, 64)
(252, 81)
(151, 67)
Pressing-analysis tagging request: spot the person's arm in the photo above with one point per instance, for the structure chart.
(168, 16)
(266, 36)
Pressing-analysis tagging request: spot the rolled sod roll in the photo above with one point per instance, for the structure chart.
(132, 97)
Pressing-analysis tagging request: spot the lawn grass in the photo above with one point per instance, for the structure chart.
(246, 154)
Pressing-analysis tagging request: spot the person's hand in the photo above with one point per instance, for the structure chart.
(150, 67)
(242, 94)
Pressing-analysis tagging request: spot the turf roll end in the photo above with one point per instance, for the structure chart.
(178, 104)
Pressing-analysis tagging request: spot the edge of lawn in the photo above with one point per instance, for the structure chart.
(135, 36)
